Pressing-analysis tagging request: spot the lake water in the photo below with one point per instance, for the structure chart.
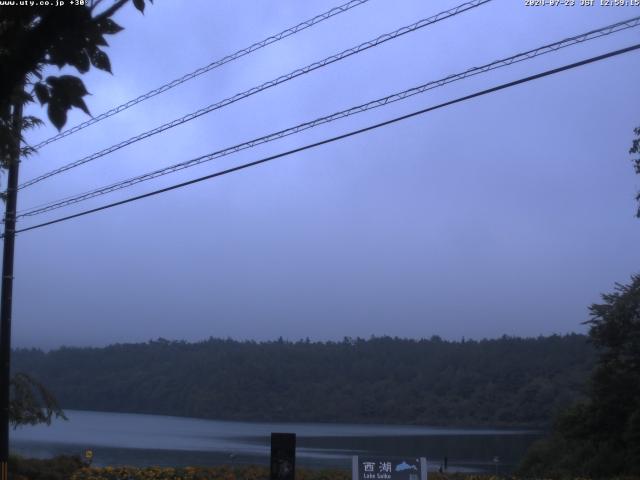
(141, 440)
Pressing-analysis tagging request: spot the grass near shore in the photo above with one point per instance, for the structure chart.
(73, 468)
(200, 473)
(229, 473)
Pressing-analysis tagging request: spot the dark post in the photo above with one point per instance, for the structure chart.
(283, 456)
(7, 288)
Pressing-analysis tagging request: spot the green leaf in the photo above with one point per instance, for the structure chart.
(42, 92)
(99, 40)
(78, 102)
(31, 403)
(72, 85)
(80, 60)
(21, 96)
(57, 113)
(108, 26)
(26, 97)
(139, 4)
(100, 60)
(65, 92)
(56, 59)
(30, 121)
(53, 81)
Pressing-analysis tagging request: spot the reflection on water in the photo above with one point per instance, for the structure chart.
(131, 439)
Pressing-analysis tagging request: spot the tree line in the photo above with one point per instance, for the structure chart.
(501, 382)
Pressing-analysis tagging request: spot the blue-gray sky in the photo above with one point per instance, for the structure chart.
(507, 214)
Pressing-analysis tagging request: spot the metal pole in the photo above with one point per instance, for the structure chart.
(7, 288)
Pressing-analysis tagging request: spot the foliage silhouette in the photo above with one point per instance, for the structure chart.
(507, 381)
(37, 37)
(33, 38)
(635, 149)
(600, 436)
(31, 403)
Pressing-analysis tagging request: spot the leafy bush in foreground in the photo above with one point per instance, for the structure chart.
(58, 468)
(600, 437)
(199, 473)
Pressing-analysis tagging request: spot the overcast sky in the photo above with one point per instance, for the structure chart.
(506, 214)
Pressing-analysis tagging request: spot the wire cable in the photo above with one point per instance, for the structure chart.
(340, 137)
(207, 68)
(272, 83)
(591, 35)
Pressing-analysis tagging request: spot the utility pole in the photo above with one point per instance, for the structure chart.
(7, 285)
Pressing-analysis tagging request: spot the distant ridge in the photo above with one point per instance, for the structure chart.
(508, 381)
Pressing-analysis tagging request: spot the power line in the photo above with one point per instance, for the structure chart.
(340, 137)
(593, 34)
(207, 68)
(272, 83)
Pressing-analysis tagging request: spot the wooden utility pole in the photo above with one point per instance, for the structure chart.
(7, 285)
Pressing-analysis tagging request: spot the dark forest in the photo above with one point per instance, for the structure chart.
(502, 382)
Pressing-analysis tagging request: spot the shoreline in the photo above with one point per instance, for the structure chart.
(73, 468)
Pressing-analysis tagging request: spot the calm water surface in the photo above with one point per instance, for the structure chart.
(141, 440)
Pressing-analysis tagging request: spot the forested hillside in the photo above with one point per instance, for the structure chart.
(502, 382)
